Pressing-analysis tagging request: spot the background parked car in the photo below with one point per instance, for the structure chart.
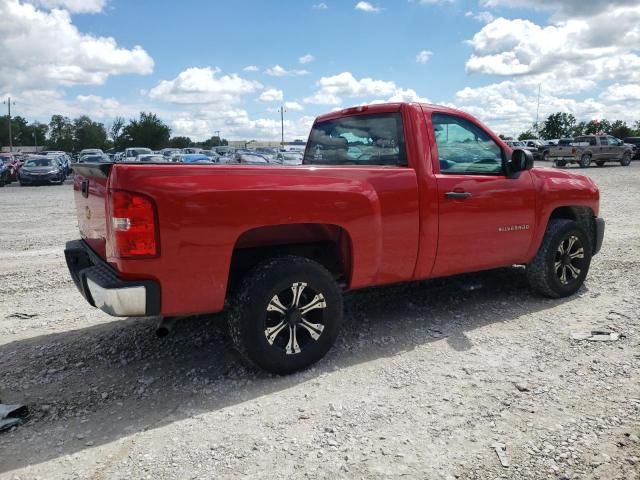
(132, 153)
(96, 158)
(248, 158)
(13, 163)
(289, 158)
(193, 158)
(153, 158)
(4, 174)
(41, 169)
(635, 141)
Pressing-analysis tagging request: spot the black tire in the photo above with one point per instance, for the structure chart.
(585, 161)
(561, 163)
(543, 273)
(545, 156)
(255, 313)
(600, 163)
(626, 160)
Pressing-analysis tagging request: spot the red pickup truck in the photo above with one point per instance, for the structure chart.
(386, 193)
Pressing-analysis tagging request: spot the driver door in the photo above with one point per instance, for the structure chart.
(486, 219)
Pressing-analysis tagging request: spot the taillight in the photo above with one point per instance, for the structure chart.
(133, 225)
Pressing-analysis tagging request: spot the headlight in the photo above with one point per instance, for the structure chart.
(53, 172)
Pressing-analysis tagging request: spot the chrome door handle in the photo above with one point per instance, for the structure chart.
(457, 195)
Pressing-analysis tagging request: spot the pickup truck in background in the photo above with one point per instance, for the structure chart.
(387, 193)
(591, 148)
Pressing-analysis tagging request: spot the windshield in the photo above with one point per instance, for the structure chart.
(39, 162)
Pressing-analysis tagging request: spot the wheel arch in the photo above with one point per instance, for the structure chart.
(328, 244)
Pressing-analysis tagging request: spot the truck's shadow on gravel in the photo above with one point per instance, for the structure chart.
(97, 385)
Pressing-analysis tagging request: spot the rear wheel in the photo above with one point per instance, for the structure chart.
(286, 314)
(626, 160)
(562, 262)
(585, 161)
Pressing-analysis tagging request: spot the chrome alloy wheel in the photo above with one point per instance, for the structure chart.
(569, 260)
(295, 318)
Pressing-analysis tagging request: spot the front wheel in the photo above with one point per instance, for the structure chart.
(562, 262)
(286, 314)
(626, 160)
(585, 161)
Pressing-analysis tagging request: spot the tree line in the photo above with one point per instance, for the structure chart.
(564, 125)
(72, 135)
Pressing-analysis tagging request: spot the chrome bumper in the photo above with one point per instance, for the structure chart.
(100, 286)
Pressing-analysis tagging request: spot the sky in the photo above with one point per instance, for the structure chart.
(207, 66)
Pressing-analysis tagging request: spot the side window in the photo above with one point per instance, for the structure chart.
(376, 139)
(464, 147)
(604, 141)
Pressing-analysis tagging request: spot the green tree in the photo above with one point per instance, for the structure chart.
(597, 126)
(214, 141)
(148, 131)
(35, 134)
(180, 142)
(527, 134)
(558, 125)
(116, 133)
(579, 129)
(18, 127)
(61, 132)
(620, 129)
(88, 134)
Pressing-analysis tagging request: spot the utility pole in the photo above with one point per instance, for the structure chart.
(8, 103)
(282, 110)
(538, 112)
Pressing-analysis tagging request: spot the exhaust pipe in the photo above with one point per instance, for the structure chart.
(165, 326)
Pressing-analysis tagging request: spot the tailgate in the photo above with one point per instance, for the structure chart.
(90, 195)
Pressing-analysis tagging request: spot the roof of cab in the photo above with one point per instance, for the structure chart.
(386, 108)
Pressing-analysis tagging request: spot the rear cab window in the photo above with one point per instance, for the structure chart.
(373, 139)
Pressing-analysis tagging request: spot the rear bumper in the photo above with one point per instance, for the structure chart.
(100, 286)
(599, 234)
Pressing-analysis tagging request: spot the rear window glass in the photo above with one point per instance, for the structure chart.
(376, 139)
(589, 140)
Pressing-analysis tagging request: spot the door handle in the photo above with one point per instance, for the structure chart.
(457, 195)
(84, 188)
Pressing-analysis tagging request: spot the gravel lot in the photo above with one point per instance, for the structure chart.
(424, 380)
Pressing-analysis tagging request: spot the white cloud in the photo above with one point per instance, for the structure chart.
(332, 90)
(367, 7)
(573, 8)
(621, 93)
(431, 2)
(320, 6)
(271, 95)
(251, 68)
(591, 49)
(73, 6)
(203, 86)
(484, 17)
(308, 58)
(235, 124)
(423, 56)
(293, 106)
(278, 71)
(43, 50)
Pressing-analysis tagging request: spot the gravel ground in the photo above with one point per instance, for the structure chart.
(425, 379)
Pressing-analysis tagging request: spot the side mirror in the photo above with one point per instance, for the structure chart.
(521, 160)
